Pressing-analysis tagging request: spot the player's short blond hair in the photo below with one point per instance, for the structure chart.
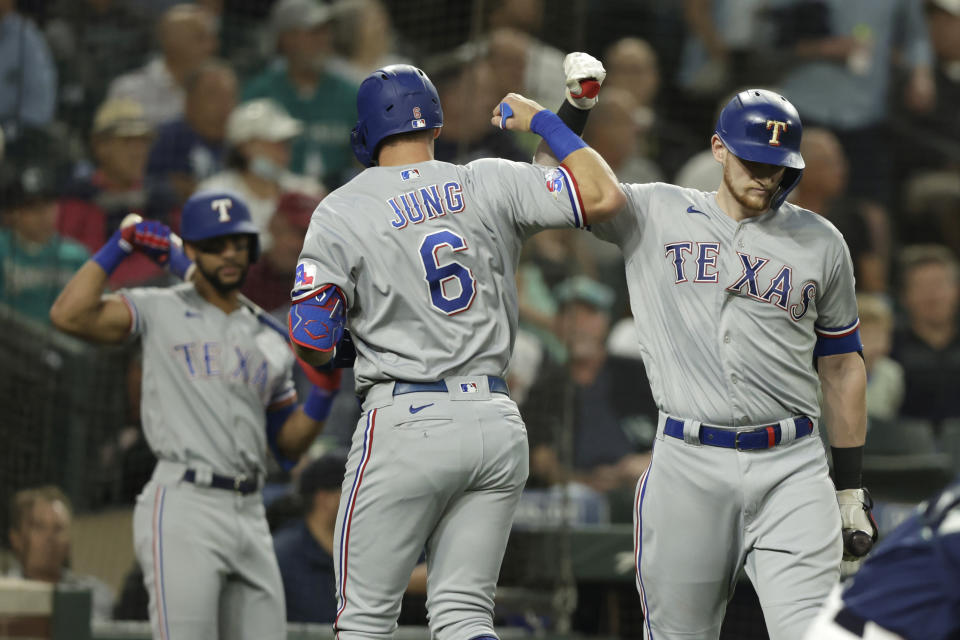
(24, 500)
(875, 309)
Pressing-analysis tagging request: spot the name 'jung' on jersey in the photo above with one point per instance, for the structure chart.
(426, 203)
(776, 293)
(206, 360)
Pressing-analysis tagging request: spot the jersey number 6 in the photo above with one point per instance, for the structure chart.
(438, 276)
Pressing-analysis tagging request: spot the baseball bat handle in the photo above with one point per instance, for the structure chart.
(857, 543)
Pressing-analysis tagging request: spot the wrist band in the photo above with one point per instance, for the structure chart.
(847, 467)
(318, 404)
(573, 117)
(179, 264)
(112, 253)
(550, 127)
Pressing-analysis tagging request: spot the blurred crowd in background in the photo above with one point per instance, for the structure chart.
(115, 106)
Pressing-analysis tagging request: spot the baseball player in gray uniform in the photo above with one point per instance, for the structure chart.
(418, 258)
(744, 305)
(217, 393)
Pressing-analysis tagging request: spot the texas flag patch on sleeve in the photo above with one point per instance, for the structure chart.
(305, 280)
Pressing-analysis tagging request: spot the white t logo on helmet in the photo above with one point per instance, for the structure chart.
(777, 127)
(223, 206)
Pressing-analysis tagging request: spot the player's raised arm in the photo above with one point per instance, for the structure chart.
(82, 309)
(584, 76)
(598, 187)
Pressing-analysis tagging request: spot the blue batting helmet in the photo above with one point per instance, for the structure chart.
(395, 99)
(762, 126)
(210, 214)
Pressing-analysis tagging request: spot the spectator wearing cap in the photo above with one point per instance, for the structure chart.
(259, 134)
(94, 204)
(192, 148)
(325, 102)
(28, 77)
(187, 37)
(35, 261)
(270, 278)
(604, 400)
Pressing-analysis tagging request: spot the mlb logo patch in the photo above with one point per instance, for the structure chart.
(306, 275)
(469, 387)
(418, 124)
(555, 182)
(409, 174)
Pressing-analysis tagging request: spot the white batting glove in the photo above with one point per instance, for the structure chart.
(858, 526)
(584, 74)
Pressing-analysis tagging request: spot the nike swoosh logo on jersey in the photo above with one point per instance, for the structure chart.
(414, 409)
(690, 209)
(191, 314)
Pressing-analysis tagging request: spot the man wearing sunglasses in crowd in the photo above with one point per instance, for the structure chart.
(218, 393)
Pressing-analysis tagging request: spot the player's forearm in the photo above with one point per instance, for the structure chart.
(844, 382)
(575, 119)
(298, 433)
(313, 357)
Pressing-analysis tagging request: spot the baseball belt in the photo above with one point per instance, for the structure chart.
(400, 387)
(241, 484)
(763, 437)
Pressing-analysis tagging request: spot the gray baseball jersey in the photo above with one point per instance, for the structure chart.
(425, 256)
(730, 317)
(728, 313)
(208, 379)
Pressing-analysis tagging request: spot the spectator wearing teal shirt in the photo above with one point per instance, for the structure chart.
(35, 261)
(300, 81)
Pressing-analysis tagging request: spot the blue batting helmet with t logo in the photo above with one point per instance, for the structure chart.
(210, 214)
(395, 99)
(762, 126)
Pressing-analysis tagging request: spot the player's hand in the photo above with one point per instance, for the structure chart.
(858, 527)
(515, 112)
(584, 75)
(151, 238)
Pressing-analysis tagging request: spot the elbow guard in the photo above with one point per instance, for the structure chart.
(317, 319)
